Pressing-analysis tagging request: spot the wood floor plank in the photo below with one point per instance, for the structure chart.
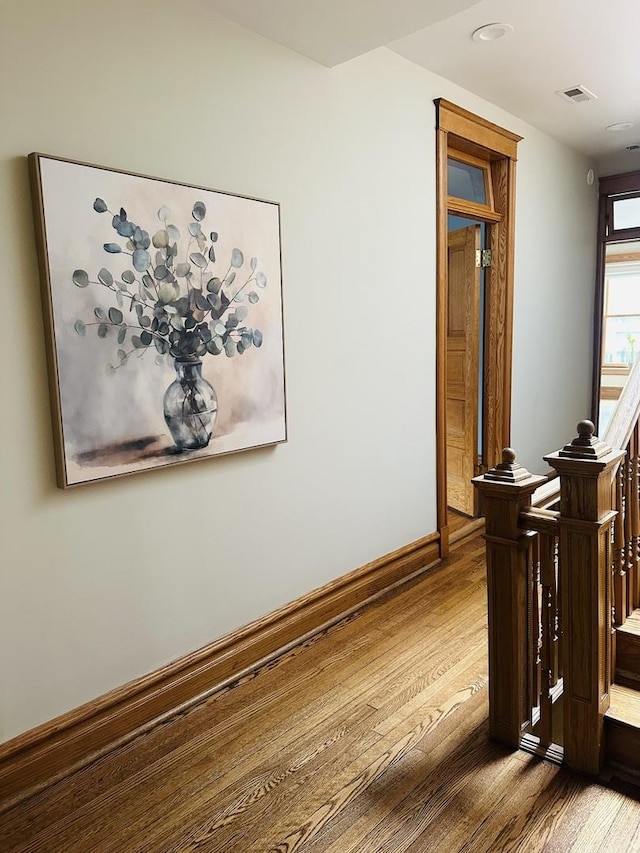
(346, 835)
(371, 721)
(431, 798)
(215, 813)
(184, 777)
(548, 813)
(591, 815)
(330, 792)
(425, 720)
(345, 794)
(624, 835)
(471, 668)
(434, 663)
(481, 795)
(523, 811)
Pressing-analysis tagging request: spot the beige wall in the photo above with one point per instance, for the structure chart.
(104, 583)
(555, 273)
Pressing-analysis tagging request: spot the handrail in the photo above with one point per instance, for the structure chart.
(617, 434)
(547, 494)
(540, 520)
(626, 414)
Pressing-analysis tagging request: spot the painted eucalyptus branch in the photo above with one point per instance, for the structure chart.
(183, 325)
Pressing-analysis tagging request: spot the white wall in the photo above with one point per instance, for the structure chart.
(95, 587)
(556, 220)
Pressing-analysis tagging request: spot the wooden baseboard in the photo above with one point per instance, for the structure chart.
(49, 752)
(474, 527)
(444, 541)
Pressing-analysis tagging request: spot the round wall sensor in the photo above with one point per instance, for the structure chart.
(491, 32)
(591, 176)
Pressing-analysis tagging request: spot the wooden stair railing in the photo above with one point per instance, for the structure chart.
(622, 433)
(587, 470)
(550, 618)
(545, 628)
(506, 492)
(563, 570)
(617, 434)
(626, 414)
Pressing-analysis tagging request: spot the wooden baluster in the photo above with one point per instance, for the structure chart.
(535, 626)
(549, 669)
(634, 512)
(587, 468)
(619, 561)
(628, 543)
(555, 605)
(506, 490)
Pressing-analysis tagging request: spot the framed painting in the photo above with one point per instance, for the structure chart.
(163, 313)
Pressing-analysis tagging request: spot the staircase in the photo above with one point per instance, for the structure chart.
(563, 572)
(627, 670)
(622, 720)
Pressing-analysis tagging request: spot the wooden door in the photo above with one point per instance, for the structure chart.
(463, 346)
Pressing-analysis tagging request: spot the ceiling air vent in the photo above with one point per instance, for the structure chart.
(576, 94)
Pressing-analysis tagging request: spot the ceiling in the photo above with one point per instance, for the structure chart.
(590, 43)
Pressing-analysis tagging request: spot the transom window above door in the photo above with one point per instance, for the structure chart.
(469, 186)
(467, 181)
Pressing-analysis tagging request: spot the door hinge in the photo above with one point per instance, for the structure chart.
(480, 467)
(483, 258)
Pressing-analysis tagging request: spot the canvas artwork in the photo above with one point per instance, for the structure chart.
(163, 309)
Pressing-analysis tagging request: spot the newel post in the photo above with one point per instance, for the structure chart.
(506, 491)
(587, 468)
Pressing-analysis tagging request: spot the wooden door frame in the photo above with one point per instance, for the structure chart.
(609, 186)
(457, 129)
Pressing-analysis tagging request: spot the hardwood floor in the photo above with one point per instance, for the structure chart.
(461, 527)
(371, 738)
(457, 521)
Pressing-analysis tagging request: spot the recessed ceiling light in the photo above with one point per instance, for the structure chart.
(619, 125)
(491, 32)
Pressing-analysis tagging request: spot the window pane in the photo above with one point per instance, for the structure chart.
(623, 292)
(621, 340)
(626, 213)
(466, 181)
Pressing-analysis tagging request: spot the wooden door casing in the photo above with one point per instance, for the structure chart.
(458, 130)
